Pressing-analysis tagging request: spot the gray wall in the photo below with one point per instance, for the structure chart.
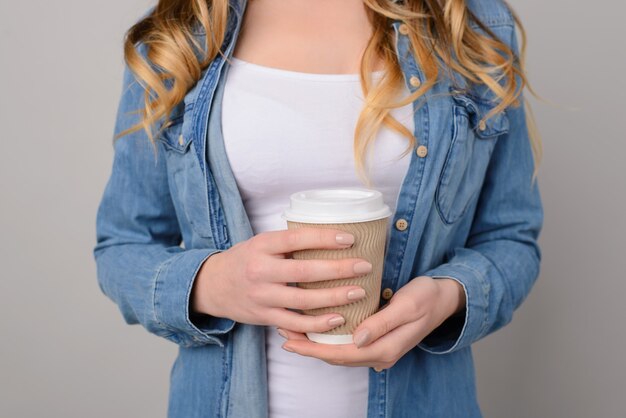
(65, 350)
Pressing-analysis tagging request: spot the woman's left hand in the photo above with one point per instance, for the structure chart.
(381, 340)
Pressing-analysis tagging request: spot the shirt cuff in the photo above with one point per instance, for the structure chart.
(172, 292)
(467, 326)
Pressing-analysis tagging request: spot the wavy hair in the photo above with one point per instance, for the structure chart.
(441, 36)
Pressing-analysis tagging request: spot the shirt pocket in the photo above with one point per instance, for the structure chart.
(468, 156)
(187, 182)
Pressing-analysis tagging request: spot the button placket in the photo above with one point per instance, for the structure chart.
(400, 242)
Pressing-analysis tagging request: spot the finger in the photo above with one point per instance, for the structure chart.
(381, 354)
(287, 241)
(406, 335)
(296, 298)
(290, 270)
(280, 270)
(398, 312)
(339, 354)
(292, 335)
(398, 342)
(286, 319)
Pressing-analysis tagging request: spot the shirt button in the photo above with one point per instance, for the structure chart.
(387, 294)
(181, 140)
(482, 125)
(421, 151)
(404, 29)
(415, 81)
(401, 224)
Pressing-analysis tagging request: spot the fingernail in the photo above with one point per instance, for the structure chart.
(286, 347)
(282, 333)
(346, 239)
(336, 321)
(362, 267)
(355, 294)
(361, 337)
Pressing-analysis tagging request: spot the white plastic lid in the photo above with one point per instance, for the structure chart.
(336, 205)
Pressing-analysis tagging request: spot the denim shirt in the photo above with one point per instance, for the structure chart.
(468, 211)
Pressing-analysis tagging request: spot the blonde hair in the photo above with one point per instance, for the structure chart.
(175, 60)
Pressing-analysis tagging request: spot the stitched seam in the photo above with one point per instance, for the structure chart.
(446, 167)
(485, 288)
(156, 287)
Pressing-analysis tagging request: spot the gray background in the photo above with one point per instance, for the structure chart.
(64, 348)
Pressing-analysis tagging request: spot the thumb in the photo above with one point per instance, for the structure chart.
(391, 316)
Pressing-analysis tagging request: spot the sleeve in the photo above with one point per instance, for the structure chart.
(500, 261)
(141, 265)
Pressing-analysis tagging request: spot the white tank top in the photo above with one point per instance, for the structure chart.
(286, 131)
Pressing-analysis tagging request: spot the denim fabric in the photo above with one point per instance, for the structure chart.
(473, 214)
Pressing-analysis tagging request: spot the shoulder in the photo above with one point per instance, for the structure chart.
(491, 13)
(497, 17)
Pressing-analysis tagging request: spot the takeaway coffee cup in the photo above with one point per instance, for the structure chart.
(361, 212)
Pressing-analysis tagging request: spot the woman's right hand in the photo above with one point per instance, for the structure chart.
(248, 282)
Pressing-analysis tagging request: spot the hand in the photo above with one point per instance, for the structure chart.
(248, 282)
(382, 339)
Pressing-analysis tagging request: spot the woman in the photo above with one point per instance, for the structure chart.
(244, 103)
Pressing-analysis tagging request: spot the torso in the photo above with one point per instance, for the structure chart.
(298, 135)
(315, 52)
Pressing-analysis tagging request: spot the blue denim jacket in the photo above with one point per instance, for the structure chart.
(473, 215)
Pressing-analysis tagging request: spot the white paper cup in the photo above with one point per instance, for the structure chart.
(361, 212)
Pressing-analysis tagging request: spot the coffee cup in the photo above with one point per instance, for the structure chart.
(362, 213)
